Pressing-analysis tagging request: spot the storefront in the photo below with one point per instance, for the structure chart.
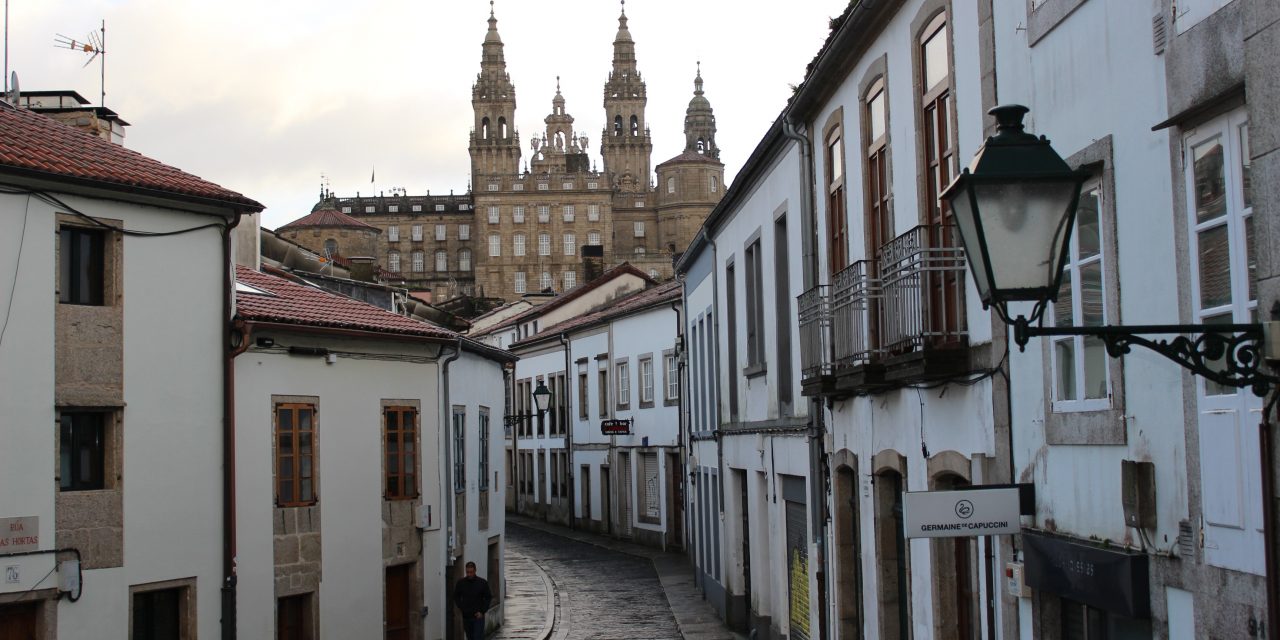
(1086, 591)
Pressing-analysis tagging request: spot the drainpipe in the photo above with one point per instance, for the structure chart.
(568, 433)
(817, 429)
(447, 427)
(229, 437)
(681, 446)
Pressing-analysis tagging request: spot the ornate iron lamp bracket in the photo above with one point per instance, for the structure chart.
(1228, 354)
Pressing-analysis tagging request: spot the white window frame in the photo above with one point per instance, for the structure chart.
(545, 282)
(1072, 270)
(393, 233)
(593, 213)
(646, 380)
(393, 208)
(543, 186)
(418, 262)
(464, 260)
(544, 244)
(593, 185)
(569, 279)
(495, 216)
(566, 186)
(416, 233)
(570, 244)
(346, 209)
(672, 367)
(393, 261)
(495, 245)
(518, 245)
(416, 208)
(622, 390)
(517, 214)
(593, 237)
(492, 186)
(518, 186)
(638, 228)
(441, 233)
(569, 212)
(521, 283)
(544, 213)
(442, 260)
(370, 209)
(464, 232)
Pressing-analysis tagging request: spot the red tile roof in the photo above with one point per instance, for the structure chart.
(289, 302)
(328, 217)
(39, 146)
(662, 294)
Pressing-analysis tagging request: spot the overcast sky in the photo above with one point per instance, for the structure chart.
(264, 96)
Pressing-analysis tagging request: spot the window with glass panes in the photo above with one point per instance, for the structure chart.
(624, 384)
(1080, 379)
(464, 232)
(1224, 261)
(545, 282)
(936, 138)
(593, 238)
(483, 465)
(400, 440)
(673, 377)
(638, 228)
(495, 245)
(517, 244)
(442, 260)
(646, 380)
(295, 454)
(880, 229)
(459, 449)
(520, 284)
(544, 213)
(570, 279)
(464, 260)
(418, 261)
(570, 244)
(393, 233)
(82, 450)
(593, 212)
(568, 213)
(440, 232)
(393, 262)
(517, 214)
(544, 244)
(416, 233)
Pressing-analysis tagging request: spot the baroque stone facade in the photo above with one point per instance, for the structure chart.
(523, 230)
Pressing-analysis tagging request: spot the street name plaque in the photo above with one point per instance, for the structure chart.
(954, 514)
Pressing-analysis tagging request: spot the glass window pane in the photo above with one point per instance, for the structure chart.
(304, 491)
(1062, 309)
(65, 451)
(1088, 238)
(410, 419)
(305, 466)
(393, 420)
(1210, 180)
(1246, 165)
(1095, 368)
(1215, 267)
(393, 463)
(304, 419)
(286, 444)
(393, 487)
(286, 419)
(875, 109)
(1066, 364)
(1091, 299)
(286, 490)
(1251, 258)
(286, 467)
(1212, 388)
(304, 442)
(935, 58)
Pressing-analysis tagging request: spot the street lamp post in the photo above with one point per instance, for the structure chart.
(541, 400)
(1014, 207)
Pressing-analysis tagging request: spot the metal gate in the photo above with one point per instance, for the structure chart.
(798, 570)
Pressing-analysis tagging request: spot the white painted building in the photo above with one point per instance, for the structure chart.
(368, 465)
(752, 506)
(113, 341)
(622, 365)
(897, 343)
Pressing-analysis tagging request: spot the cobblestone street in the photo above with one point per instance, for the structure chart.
(599, 593)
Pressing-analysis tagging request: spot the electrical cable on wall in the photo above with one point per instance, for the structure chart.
(54, 201)
(17, 264)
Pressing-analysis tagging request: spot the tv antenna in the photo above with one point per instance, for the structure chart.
(96, 46)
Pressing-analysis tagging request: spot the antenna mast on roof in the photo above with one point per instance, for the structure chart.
(95, 46)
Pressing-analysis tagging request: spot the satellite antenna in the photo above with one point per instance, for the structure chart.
(96, 46)
(14, 94)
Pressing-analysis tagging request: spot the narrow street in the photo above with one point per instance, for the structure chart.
(565, 585)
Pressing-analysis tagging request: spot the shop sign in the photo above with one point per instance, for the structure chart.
(1111, 579)
(961, 513)
(615, 427)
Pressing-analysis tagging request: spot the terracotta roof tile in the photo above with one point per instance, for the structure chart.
(691, 156)
(289, 302)
(37, 145)
(328, 217)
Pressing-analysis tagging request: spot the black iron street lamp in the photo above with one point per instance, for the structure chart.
(1015, 206)
(541, 399)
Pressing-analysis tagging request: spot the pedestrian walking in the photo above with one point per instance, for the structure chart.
(472, 597)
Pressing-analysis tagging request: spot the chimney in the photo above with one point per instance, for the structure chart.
(592, 262)
(362, 268)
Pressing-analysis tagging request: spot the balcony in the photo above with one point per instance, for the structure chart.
(922, 311)
(855, 297)
(815, 334)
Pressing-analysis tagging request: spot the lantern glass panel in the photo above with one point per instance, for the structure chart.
(1026, 225)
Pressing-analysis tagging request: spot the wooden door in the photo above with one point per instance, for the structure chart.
(18, 621)
(396, 625)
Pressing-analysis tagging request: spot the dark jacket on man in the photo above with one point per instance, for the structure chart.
(472, 596)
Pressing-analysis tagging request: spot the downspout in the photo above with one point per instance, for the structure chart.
(230, 351)
(817, 429)
(447, 426)
(681, 445)
(568, 432)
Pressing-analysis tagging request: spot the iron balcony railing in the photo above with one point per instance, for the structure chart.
(922, 290)
(853, 293)
(815, 331)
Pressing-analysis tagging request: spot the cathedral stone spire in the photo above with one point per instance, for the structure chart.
(495, 148)
(626, 144)
(700, 122)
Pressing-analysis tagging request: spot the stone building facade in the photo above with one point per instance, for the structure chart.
(523, 228)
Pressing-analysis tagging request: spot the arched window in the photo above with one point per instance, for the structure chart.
(715, 184)
(635, 126)
(617, 125)
(502, 127)
(330, 248)
(484, 128)
(464, 260)
(702, 146)
(671, 185)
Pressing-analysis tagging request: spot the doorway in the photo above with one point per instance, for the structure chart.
(19, 621)
(744, 525)
(396, 620)
(606, 500)
(675, 503)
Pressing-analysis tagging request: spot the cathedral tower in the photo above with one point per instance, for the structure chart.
(495, 146)
(690, 184)
(700, 123)
(559, 150)
(625, 143)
